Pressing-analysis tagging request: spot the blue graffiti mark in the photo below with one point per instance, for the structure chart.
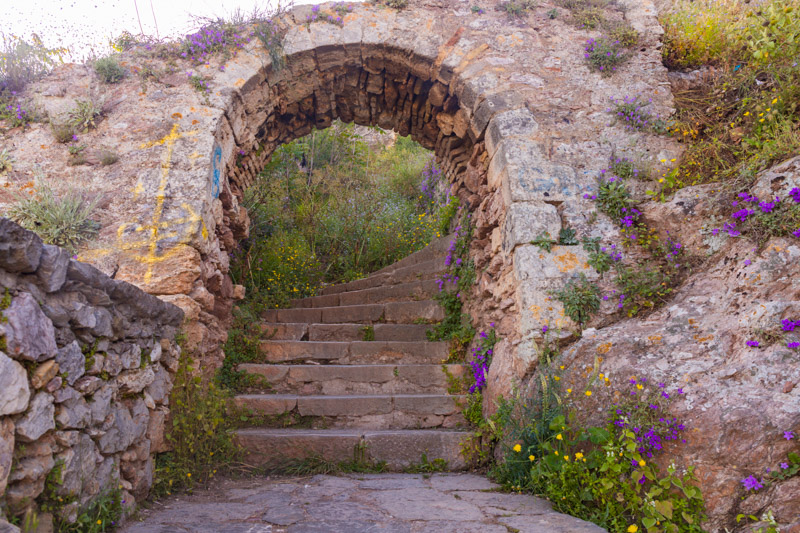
(216, 160)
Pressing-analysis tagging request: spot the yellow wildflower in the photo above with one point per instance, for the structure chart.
(559, 437)
(642, 462)
(588, 393)
(532, 458)
(517, 448)
(633, 528)
(578, 455)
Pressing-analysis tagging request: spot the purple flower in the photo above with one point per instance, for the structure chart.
(788, 435)
(796, 233)
(751, 483)
(795, 194)
(793, 345)
(752, 344)
(747, 262)
(789, 325)
(784, 466)
(544, 329)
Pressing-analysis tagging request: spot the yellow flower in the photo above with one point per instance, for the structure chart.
(633, 528)
(556, 378)
(578, 455)
(569, 391)
(566, 457)
(559, 437)
(517, 448)
(99, 522)
(555, 453)
(642, 462)
(775, 101)
(747, 113)
(588, 393)
(639, 386)
(188, 474)
(532, 458)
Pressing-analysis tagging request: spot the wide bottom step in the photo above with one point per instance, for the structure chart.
(399, 449)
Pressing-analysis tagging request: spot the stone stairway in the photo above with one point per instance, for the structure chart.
(355, 367)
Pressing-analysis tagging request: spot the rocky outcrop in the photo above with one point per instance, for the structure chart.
(59, 318)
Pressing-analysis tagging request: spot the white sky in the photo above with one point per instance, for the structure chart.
(86, 24)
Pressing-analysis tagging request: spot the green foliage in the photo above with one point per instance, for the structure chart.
(596, 473)
(642, 287)
(580, 298)
(242, 346)
(782, 221)
(22, 62)
(543, 242)
(108, 157)
(426, 466)
(447, 213)
(518, 8)
(567, 237)
(63, 220)
(394, 4)
(368, 333)
(456, 326)
(63, 132)
(552, 14)
(767, 518)
(605, 55)
(614, 199)
(109, 70)
(84, 115)
(598, 259)
(201, 435)
(102, 515)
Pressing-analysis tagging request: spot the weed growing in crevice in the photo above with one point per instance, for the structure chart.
(518, 8)
(109, 70)
(580, 298)
(368, 333)
(567, 236)
(633, 113)
(85, 114)
(543, 242)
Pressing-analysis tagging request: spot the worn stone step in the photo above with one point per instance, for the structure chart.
(375, 411)
(356, 332)
(422, 271)
(414, 290)
(437, 248)
(398, 448)
(356, 379)
(355, 352)
(392, 312)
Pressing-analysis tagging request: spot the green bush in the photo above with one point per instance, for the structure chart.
(22, 62)
(109, 69)
(604, 474)
(61, 220)
(580, 298)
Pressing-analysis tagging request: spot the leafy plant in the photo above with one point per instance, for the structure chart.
(109, 70)
(63, 132)
(271, 37)
(598, 258)
(22, 62)
(518, 8)
(368, 333)
(84, 115)
(63, 220)
(614, 199)
(6, 161)
(567, 237)
(543, 242)
(581, 298)
(201, 435)
(108, 157)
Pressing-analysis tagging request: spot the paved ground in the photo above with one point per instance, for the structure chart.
(370, 503)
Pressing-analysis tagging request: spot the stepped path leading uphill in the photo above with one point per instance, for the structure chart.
(354, 368)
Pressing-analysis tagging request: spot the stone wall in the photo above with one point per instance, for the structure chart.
(86, 365)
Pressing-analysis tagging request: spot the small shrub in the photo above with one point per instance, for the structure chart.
(108, 157)
(589, 17)
(394, 4)
(518, 8)
(201, 434)
(580, 298)
(60, 220)
(477, 10)
(633, 113)
(599, 259)
(84, 115)
(552, 14)
(447, 213)
(272, 39)
(63, 132)
(109, 69)
(624, 34)
(22, 62)
(614, 199)
(604, 55)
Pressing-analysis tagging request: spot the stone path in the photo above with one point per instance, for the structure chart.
(354, 366)
(357, 503)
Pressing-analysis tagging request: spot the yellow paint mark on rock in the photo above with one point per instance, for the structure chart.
(698, 338)
(655, 339)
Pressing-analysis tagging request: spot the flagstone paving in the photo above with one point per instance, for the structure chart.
(356, 503)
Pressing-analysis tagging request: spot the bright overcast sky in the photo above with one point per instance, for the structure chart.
(86, 24)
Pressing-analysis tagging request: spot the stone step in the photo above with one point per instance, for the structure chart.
(356, 379)
(354, 353)
(414, 290)
(422, 271)
(398, 448)
(437, 248)
(344, 332)
(378, 411)
(392, 312)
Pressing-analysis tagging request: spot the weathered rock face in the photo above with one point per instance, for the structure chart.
(59, 310)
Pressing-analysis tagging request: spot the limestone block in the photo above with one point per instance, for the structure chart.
(29, 333)
(173, 273)
(38, 420)
(527, 220)
(510, 364)
(14, 391)
(6, 452)
(44, 373)
(190, 308)
(119, 431)
(136, 380)
(71, 362)
(516, 122)
(73, 414)
(20, 249)
(100, 404)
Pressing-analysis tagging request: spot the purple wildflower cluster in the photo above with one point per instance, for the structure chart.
(744, 211)
(604, 55)
(632, 112)
(316, 16)
(451, 249)
(482, 358)
(429, 187)
(199, 46)
(646, 417)
(784, 470)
